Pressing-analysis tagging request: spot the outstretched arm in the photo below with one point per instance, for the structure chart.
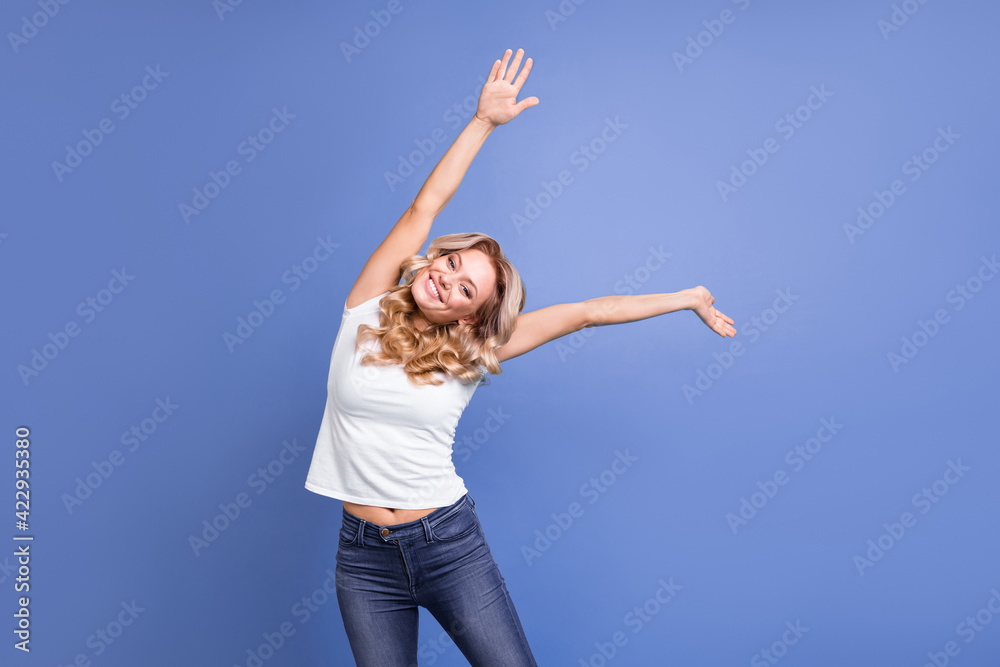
(545, 324)
(618, 309)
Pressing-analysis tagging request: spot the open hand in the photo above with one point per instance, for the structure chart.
(497, 102)
(702, 305)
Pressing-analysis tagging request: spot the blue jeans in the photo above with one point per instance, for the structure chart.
(440, 562)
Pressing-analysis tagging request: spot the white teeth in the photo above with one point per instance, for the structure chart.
(433, 288)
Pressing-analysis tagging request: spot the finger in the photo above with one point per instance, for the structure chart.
(503, 64)
(526, 103)
(493, 72)
(509, 75)
(519, 81)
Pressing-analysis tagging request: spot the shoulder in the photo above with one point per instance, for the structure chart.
(369, 304)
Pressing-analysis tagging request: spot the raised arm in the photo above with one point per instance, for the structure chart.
(545, 324)
(497, 105)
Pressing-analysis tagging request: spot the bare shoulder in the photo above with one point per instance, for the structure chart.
(540, 326)
(358, 297)
(383, 271)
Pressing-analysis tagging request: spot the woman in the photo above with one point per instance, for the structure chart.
(405, 364)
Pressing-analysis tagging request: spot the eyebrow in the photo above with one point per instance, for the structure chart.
(475, 289)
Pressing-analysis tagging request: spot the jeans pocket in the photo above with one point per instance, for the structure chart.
(456, 526)
(348, 535)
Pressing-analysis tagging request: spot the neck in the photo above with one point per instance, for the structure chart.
(419, 322)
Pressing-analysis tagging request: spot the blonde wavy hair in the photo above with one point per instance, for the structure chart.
(462, 351)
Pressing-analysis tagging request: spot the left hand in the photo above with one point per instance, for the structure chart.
(702, 306)
(497, 101)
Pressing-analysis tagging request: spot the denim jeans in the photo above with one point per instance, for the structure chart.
(440, 562)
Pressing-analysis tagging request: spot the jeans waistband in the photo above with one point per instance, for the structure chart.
(407, 530)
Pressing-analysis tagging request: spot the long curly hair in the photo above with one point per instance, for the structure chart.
(459, 350)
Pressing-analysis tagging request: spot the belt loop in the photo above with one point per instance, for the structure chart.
(427, 529)
(361, 533)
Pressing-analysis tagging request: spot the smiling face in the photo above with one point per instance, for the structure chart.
(453, 287)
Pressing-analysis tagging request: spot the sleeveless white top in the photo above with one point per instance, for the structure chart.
(384, 441)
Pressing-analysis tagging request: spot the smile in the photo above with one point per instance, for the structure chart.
(432, 288)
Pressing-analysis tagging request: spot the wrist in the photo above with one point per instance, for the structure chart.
(482, 123)
(690, 298)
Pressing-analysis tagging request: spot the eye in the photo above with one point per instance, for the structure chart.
(465, 290)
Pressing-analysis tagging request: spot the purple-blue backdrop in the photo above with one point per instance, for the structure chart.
(191, 189)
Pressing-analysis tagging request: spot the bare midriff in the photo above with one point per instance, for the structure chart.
(385, 516)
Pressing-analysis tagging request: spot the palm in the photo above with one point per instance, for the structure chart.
(716, 320)
(498, 102)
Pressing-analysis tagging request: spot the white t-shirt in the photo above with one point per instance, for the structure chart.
(385, 441)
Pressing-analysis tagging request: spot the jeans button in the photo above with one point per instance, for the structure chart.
(385, 532)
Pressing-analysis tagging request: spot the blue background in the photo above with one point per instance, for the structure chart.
(572, 404)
